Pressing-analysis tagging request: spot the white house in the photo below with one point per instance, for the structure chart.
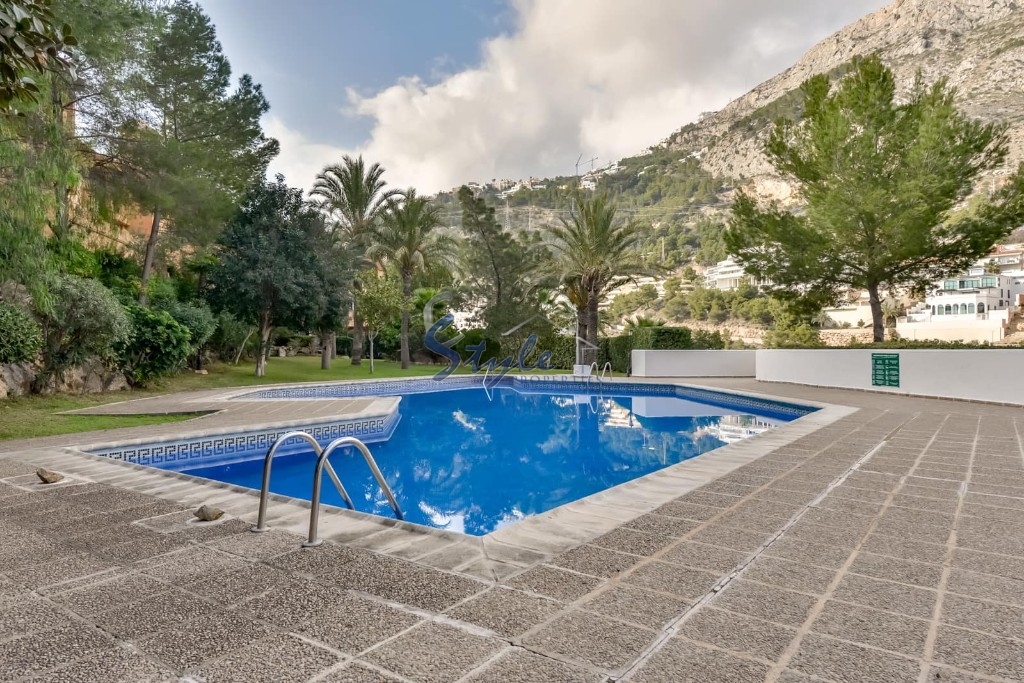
(728, 275)
(976, 306)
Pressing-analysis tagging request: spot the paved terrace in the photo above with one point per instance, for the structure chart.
(888, 546)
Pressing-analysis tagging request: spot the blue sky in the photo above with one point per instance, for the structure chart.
(443, 92)
(307, 59)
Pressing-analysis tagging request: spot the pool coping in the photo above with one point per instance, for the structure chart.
(491, 557)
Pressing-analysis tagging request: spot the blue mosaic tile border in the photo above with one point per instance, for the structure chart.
(205, 451)
(382, 388)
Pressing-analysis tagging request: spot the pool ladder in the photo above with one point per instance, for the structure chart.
(322, 463)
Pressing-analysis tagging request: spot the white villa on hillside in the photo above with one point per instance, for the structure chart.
(728, 275)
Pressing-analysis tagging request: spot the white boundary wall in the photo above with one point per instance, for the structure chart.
(693, 363)
(994, 375)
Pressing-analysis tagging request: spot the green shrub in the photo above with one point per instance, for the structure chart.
(84, 321)
(492, 349)
(562, 348)
(619, 353)
(20, 336)
(157, 346)
(663, 338)
(702, 339)
(801, 336)
(197, 318)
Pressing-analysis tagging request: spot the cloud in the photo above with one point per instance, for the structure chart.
(603, 78)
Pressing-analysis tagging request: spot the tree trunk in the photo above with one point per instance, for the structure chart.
(592, 326)
(325, 351)
(877, 319)
(407, 294)
(261, 357)
(332, 339)
(147, 264)
(581, 332)
(357, 337)
(371, 352)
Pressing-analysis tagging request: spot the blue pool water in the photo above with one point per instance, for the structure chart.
(472, 461)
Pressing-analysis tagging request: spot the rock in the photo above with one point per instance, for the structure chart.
(208, 513)
(48, 476)
(202, 372)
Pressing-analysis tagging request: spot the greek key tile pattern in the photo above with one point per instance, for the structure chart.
(223, 448)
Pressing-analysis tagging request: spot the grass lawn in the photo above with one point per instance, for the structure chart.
(32, 416)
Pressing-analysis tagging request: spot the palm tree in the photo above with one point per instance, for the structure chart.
(641, 321)
(353, 195)
(406, 238)
(594, 254)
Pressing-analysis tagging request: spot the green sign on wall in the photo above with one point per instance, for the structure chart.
(885, 369)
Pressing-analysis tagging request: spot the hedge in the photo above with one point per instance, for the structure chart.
(20, 335)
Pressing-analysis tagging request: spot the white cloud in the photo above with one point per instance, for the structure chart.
(598, 77)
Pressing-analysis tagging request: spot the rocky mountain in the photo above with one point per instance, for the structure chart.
(977, 44)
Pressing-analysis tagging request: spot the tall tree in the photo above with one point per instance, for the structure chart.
(32, 40)
(194, 147)
(407, 238)
(268, 262)
(354, 196)
(499, 269)
(380, 301)
(594, 254)
(880, 181)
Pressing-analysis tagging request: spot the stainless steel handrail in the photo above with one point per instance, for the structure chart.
(608, 367)
(261, 519)
(314, 514)
(594, 372)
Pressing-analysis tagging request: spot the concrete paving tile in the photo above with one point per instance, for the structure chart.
(633, 542)
(849, 505)
(119, 665)
(942, 674)
(325, 561)
(704, 556)
(921, 503)
(986, 586)
(38, 652)
(294, 602)
(755, 522)
(826, 535)
(59, 570)
(434, 652)
(185, 646)
(207, 531)
(904, 635)
(670, 578)
(827, 556)
(795, 576)
(14, 468)
(262, 546)
(140, 549)
(925, 533)
(1001, 620)
(716, 500)
(894, 597)
(661, 525)
(358, 672)
(517, 665)
(738, 633)
(980, 653)
(764, 602)
(1009, 515)
(728, 488)
(786, 495)
(994, 501)
(639, 606)
(698, 513)
(29, 614)
(683, 662)
(231, 587)
(893, 569)
(929, 492)
(554, 583)
(508, 613)
(863, 495)
(107, 594)
(275, 659)
(591, 639)
(405, 582)
(992, 536)
(353, 624)
(989, 563)
(849, 663)
(905, 548)
(997, 490)
(186, 565)
(152, 613)
(730, 537)
(590, 559)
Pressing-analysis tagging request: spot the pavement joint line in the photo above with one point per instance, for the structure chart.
(947, 565)
(792, 649)
(672, 628)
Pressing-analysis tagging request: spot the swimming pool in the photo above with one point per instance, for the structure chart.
(472, 460)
